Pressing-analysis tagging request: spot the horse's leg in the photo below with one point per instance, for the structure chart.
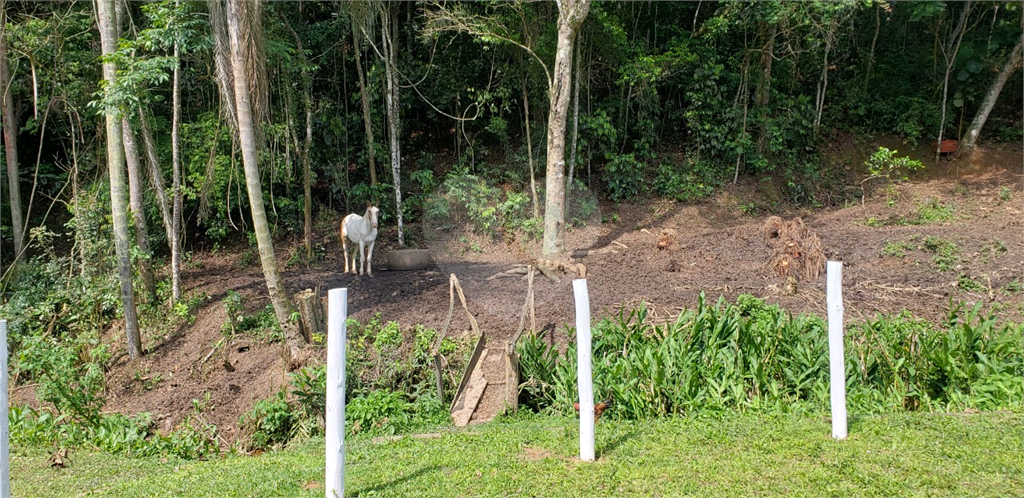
(369, 258)
(344, 246)
(362, 256)
(344, 249)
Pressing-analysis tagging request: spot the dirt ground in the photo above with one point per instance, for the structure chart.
(713, 247)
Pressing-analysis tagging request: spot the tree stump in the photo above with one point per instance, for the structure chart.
(312, 319)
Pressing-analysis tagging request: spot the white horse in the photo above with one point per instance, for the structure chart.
(360, 230)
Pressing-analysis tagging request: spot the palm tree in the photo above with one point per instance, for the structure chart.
(243, 20)
(116, 165)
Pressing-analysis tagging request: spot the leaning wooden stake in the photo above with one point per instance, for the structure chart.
(583, 370)
(439, 361)
(337, 312)
(837, 365)
(5, 456)
(528, 308)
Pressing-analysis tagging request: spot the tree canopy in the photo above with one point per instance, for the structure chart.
(678, 96)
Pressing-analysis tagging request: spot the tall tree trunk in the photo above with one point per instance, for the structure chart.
(10, 126)
(307, 177)
(767, 34)
(571, 14)
(953, 45)
(388, 37)
(575, 108)
(365, 100)
(974, 130)
(819, 102)
(175, 235)
(116, 166)
(529, 150)
(237, 10)
(874, 41)
(131, 156)
(762, 94)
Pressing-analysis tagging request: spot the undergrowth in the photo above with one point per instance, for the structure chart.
(755, 356)
(389, 387)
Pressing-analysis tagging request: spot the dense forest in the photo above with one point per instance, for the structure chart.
(170, 125)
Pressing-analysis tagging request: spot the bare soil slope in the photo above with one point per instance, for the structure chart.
(712, 247)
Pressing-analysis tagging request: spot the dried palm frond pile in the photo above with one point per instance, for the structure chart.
(796, 252)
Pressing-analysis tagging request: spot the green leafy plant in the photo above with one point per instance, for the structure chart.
(885, 164)
(948, 254)
(966, 283)
(752, 355)
(263, 324)
(269, 423)
(685, 186)
(933, 211)
(468, 201)
(897, 249)
(624, 176)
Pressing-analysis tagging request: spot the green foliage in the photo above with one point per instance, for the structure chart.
(389, 387)
(933, 211)
(74, 387)
(263, 324)
(623, 176)
(884, 163)
(897, 249)
(752, 355)
(269, 423)
(947, 253)
(388, 412)
(185, 309)
(966, 283)
(468, 201)
(309, 387)
(114, 433)
(384, 356)
(597, 133)
(710, 117)
(686, 184)
(910, 117)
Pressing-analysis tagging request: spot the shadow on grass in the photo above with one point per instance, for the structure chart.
(381, 488)
(614, 444)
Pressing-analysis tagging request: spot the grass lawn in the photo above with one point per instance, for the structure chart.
(979, 454)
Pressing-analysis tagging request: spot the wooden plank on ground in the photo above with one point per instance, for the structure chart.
(470, 367)
(463, 411)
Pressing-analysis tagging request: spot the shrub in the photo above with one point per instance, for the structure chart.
(686, 184)
(885, 164)
(752, 355)
(269, 423)
(114, 433)
(624, 176)
(389, 412)
(468, 201)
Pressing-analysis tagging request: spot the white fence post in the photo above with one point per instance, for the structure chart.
(584, 371)
(337, 313)
(5, 454)
(837, 361)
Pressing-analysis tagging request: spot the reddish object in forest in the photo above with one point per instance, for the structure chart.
(946, 146)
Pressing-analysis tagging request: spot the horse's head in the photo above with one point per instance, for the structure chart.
(371, 214)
